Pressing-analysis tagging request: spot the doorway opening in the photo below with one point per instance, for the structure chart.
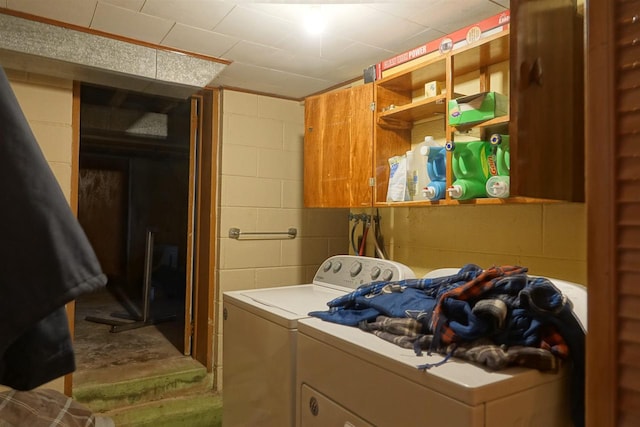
(134, 205)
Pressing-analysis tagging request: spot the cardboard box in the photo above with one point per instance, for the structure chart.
(477, 108)
(433, 88)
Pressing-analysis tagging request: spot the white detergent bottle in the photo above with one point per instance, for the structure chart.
(420, 157)
(412, 175)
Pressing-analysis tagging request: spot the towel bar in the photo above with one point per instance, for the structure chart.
(235, 233)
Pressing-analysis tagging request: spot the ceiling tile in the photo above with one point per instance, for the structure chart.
(265, 40)
(198, 40)
(247, 24)
(386, 24)
(125, 22)
(76, 12)
(205, 14)
(443, 15)
(265, 80)
(285, 60)
(503, 3)
(134, 5)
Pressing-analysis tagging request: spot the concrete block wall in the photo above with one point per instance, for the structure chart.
(549, 239)
(261, 189)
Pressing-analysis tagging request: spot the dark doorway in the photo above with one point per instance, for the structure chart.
(133, 183)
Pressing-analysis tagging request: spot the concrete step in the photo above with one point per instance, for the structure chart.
(113, 387)
(200, 410)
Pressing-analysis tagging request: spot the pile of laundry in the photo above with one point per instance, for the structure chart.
(495, 317)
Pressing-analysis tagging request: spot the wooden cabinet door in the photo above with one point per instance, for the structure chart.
(338, 148)
(547, 100)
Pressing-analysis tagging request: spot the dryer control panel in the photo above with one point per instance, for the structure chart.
(351, 271)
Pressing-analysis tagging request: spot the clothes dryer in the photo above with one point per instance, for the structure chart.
(349, 377)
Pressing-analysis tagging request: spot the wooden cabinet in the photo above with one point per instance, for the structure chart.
(338, 149)
(536, 61)
(547, 99)
(405, 115)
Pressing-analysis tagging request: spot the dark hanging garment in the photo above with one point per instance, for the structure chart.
(46, 260)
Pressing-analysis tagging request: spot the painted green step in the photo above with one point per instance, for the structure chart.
(113, 387)
(202, 410)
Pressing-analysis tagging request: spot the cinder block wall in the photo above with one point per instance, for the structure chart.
(261, 189)
(549, 239)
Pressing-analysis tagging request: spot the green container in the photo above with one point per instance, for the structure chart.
(477, 108)
(470, 163)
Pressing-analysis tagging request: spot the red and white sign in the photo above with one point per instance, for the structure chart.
(455, 40)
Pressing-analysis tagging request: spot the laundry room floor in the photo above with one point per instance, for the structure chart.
(97, 347)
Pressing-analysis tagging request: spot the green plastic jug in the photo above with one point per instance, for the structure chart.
(470, 168)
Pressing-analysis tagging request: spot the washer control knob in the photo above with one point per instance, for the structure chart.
(387, 275)
(337, 266)
(356, 268)
(327, 266)
(375, 272)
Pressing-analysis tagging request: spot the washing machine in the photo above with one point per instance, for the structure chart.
(260, 337)
(349, 377)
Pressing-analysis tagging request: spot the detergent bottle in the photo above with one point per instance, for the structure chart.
(412, 175)
(436, 170)
(499, 166)
(470, 168)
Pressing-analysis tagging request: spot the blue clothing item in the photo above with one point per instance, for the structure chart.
(548, 305)
(347, 316)
(414, 298)
(463, 321)
(403, 302)
(432, 287)
(521, 329)
(406, 302)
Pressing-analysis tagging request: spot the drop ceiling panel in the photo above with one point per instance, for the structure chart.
(273, 81)
(134, 5)
(76, 12)
(272, 51)
(127, 23)
(267, 57)
(205, 14)
(248, 24)
(198, 40)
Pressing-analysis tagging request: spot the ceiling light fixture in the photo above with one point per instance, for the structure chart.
(314, 20)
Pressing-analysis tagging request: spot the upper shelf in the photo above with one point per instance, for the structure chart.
(416, 76)
(487, 51)
(402, 117)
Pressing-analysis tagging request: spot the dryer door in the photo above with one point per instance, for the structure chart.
(317, 410)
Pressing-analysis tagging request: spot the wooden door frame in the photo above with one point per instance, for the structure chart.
(602, 338)
(206, 231)
(206, 219)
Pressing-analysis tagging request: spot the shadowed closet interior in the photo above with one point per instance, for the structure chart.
(133, 205)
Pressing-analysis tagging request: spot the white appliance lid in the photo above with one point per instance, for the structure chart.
(284, 304)
(456, 378)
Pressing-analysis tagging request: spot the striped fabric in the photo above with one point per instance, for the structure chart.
(474, 288)
(46, 408)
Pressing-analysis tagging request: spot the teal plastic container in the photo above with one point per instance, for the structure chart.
(437, 172)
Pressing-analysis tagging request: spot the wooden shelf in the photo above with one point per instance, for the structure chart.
(415, 77)
(478, 201)
(403, 117)
(483, 53)
(502, 120)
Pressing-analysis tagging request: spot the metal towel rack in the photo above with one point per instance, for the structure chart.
(235, 233)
